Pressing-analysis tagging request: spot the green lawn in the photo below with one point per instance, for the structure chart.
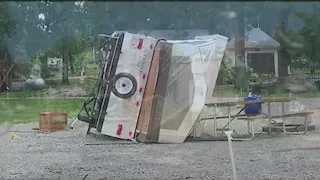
(23, 109)
(27, 110)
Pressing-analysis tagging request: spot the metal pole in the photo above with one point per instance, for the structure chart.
(100, 16)
(269, 117)
(229, 118)
(215, 120)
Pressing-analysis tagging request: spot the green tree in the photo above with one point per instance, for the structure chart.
(7, 29)
(64, 28)
(310, 38)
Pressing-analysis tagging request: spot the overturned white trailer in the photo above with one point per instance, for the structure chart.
(153, 90)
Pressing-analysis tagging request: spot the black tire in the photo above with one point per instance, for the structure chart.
(129, 77)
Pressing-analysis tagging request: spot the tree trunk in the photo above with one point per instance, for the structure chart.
(71, 62)
(284, 57)
(313, 55)
(65, 76)
(241, 79)
(44, 73)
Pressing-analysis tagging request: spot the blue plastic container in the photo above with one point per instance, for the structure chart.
(253, 109)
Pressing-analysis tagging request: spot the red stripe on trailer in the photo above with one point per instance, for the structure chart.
(130, 133)
(151, 46)
(119, 130)
(140, 90)
(137, 103)
(140, 44)
(144, 76)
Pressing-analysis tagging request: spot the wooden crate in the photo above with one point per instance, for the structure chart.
(52, 121)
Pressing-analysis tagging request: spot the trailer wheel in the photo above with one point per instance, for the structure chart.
(124, 85)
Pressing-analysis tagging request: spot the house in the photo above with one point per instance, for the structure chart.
(261, 52)
(54, 62)
(175, 34)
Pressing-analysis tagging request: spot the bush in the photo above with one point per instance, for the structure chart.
(227, 73)
(91, 86)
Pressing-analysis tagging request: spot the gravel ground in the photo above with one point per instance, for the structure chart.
(67, 155)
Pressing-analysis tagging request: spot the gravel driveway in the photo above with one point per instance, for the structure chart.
(67, 155)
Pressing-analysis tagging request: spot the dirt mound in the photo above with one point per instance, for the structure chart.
(67, 92)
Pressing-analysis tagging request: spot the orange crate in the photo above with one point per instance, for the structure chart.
(52, 121)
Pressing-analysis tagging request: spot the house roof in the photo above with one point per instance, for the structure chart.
(256, 38)
(174, 34)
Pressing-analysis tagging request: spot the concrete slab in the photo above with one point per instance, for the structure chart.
(292, 128)
(301, 104)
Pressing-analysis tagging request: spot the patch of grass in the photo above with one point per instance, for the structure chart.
(27, 110)
(226, 91)
(53, 83)
(25, 94)
(300, 95)
(57, 81)
(229, 91)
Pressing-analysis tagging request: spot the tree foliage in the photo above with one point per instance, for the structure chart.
(41, 29)
(309, 34)
(7, 29)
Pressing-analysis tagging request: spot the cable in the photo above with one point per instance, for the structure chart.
(228, 133)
